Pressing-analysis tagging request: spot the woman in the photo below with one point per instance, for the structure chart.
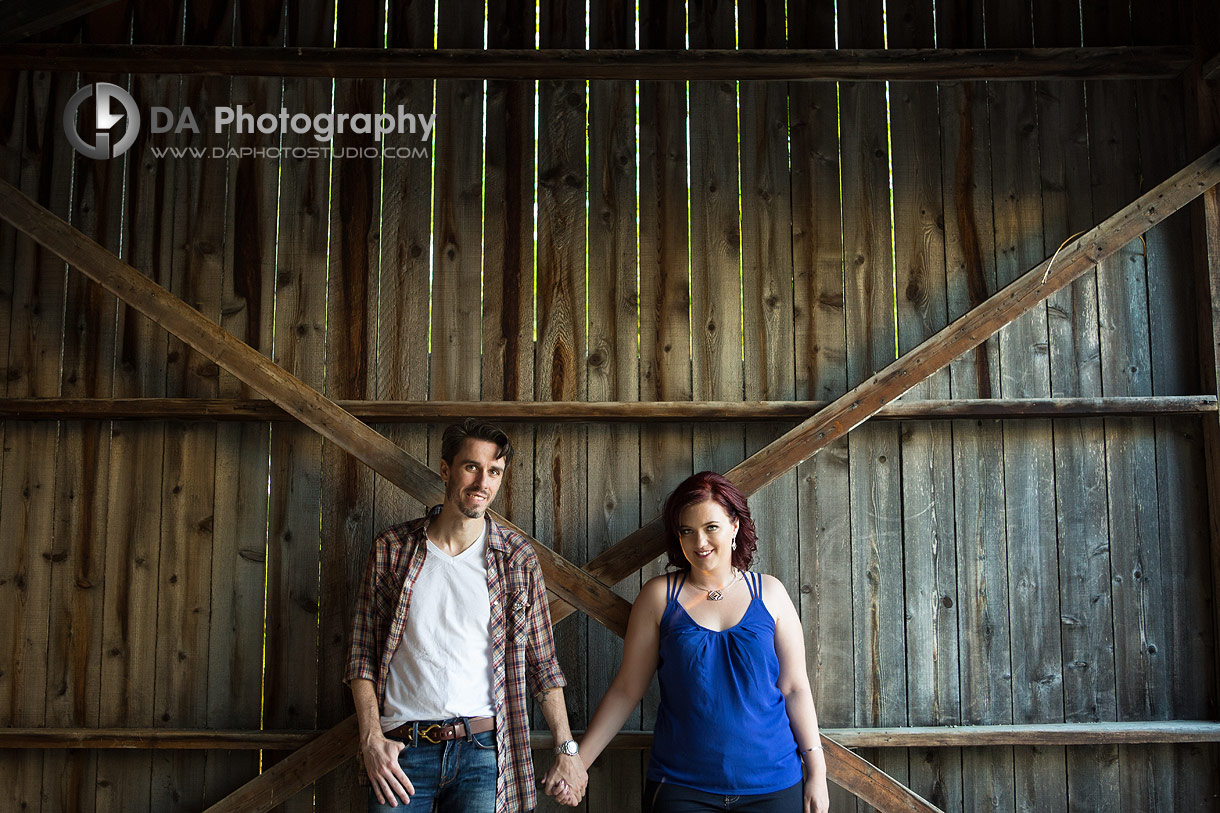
(736, 728)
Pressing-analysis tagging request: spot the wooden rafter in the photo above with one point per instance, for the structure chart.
(20, 18)
(289, 392)
(829, 65)
(261, 409)
(962, 335)
(325, 753)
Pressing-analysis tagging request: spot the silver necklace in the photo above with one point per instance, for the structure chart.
(716, 594)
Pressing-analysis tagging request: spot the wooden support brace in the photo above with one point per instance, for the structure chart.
(294, 396)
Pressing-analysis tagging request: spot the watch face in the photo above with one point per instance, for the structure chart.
(569, 747)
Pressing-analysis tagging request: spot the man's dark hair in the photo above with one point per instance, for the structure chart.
(457, 433)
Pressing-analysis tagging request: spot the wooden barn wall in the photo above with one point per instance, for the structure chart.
(571, 240)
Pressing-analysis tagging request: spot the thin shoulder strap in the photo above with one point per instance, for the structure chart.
(755, 581)
(676, 583)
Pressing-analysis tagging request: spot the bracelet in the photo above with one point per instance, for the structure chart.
(810, 749)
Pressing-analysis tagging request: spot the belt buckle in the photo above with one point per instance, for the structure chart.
(426, 733)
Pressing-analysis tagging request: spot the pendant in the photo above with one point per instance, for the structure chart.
(714, 595)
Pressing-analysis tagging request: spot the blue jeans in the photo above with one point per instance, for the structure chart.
(456, 776)
(666, 797)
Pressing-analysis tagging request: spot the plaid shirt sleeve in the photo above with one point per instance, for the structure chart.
(542, 667)
(369, 618)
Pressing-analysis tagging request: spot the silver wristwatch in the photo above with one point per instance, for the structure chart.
(568, 747)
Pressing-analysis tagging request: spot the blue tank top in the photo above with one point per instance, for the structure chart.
(722, 726)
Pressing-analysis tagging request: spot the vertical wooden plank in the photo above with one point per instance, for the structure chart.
(293, 531)
(1164, 118)
(1033, 563)
(1085, 594)
(929, 541)
(715, 241)
(27, 505)
(821, 373)
(978, 509)
(78, 554)
(457, 220)
(351, 357)
(874, 464)
(405, 262)
(613, 372)
(665, 331)
(561, 372)
(235, 666)
(1141, 577)
(508, 256)
(129, 625)
(188, 489)
(767, 284)
(665, 457)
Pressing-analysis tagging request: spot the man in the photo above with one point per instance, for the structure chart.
(451, 627)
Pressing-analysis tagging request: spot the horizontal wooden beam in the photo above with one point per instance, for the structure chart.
(964, 736)
(829, 65)
(261, 409)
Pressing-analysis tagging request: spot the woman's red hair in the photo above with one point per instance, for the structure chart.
(701, 487)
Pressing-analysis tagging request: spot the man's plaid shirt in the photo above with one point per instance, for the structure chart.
(523, 648)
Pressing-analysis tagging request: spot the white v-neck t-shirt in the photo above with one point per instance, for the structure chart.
(443, 666)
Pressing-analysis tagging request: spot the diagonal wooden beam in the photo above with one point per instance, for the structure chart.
(294, 396)
(962, 335)
(20, 18)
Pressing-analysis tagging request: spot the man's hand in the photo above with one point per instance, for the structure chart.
(390, 784)
(567, 780)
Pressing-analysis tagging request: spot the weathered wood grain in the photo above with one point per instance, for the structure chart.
(129, 626)
(613, 373)
(875, 492)
(561, 352)
(819, 335)
(184, 580)
(28, 458)
(347, 487)
(715, 242)
(768, 327)
(931, 590)
(508, 253)
(235, 634)
(1030, 528)
(665, 329)
(78, 554)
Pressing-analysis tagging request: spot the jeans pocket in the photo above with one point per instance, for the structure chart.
(484, 740)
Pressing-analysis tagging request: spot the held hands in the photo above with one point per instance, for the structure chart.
(390, 784)
(567, 780)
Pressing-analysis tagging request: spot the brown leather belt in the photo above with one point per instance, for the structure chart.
(440, 732)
